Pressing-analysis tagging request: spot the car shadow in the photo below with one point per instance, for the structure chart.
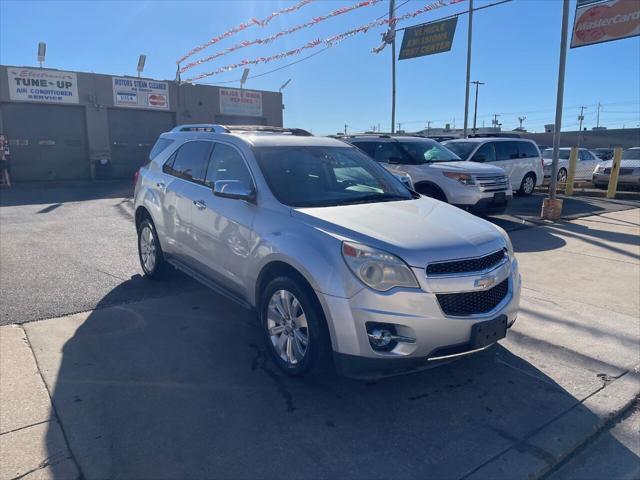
(181, 386)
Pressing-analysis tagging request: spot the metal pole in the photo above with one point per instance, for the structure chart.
(466, 96)
(559, 99)
(392, 28)
(475, 110)
(581, 118)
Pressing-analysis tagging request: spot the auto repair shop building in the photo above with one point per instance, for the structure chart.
(81, 126)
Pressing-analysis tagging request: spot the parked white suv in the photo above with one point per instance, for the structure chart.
(341, 262)
(519, 157)
(438, 172)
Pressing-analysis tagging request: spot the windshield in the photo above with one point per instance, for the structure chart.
(462, 149)
(425, 151)
(548, 154)
(631, 154)
(327, 176)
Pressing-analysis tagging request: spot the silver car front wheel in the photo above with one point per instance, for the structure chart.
(287, 327)
(147, 249)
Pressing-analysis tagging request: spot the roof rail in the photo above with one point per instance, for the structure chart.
(269, 129)
(201, 127)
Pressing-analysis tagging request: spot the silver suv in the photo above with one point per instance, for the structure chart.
(342, 263)
(439, 173)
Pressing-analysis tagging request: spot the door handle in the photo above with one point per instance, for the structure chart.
(200, 204)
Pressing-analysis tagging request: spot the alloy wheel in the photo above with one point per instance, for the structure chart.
(529, 185)
(287, 326)
(147, 249)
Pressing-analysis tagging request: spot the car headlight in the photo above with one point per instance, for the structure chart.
(463, 178)
(377, 269)
(507, 241)
(599, 169)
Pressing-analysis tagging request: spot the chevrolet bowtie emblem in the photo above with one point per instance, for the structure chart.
(484, 283)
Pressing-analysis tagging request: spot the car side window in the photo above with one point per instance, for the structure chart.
(486, 153)
(507, 150)
(189, 161)
(367, 147)
(226, 163)
(528, 150)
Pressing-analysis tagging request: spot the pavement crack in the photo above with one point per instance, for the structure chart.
(50, 461)
(26, 426)
(260, 362)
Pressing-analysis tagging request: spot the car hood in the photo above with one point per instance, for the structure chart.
(418, 231)
(472, 168)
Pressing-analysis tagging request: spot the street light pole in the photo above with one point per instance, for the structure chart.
(392, 33)
(551, 207)
(475, 110)
(466, 96)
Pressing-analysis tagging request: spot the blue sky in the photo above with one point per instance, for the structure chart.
(516, 47)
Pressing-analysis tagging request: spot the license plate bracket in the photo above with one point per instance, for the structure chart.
(488, 332)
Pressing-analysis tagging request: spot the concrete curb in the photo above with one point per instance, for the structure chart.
(538, 454)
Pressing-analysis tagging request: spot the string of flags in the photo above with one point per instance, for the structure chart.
(328, 42)
(243, 26)
(263, 41)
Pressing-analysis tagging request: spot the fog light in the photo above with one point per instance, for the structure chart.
(382, 336)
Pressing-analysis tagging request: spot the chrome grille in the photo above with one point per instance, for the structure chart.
(473, 303)
(492, 183)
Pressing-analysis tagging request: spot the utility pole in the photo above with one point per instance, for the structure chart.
(345, 128)
(392, 34)
(399, 126)
(521, 119)
(428, 127)
(598, 116)
(466, 96)
(580, 119)
(494, 122)
(475, 110)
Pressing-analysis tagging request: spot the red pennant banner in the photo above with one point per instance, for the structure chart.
(288, 31)
(244, 26)
(329, 42)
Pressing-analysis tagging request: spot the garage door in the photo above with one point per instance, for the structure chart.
(48, 142)
(132, 133)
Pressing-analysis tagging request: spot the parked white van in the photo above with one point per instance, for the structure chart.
(519, 157)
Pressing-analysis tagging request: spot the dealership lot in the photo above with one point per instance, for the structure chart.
(167, 380)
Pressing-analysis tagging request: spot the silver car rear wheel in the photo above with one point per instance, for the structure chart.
(287, 327)
(148, 251)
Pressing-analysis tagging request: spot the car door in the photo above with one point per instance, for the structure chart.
(508, 158)
(223, 226)
(587, 163)
(531, 160)
(184, 169)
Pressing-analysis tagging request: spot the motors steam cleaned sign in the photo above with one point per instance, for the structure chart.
(139, 93)
(36, 85)
(428, 39)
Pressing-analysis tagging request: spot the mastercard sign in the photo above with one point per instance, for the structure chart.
(605, 21)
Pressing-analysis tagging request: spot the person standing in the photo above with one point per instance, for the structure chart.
(5, 176)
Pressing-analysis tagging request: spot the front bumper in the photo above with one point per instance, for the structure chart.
(602, 180)
(415, 314)
(491, 204)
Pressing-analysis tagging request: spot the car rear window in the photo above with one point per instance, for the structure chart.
(160, 145)
(528, 150)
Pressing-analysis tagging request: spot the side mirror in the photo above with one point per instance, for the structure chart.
(235, 189)
(479, 158)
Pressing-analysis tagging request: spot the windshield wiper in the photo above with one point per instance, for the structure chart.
(374, 199)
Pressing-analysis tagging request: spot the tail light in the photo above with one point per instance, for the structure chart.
(136, 176)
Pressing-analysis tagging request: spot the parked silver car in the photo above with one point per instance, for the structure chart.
(342, 263)
(629, 175)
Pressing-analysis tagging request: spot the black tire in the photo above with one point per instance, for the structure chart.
(525, 186)
(159, 267)
(317, 356)
(431, 191)
(562, 175)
